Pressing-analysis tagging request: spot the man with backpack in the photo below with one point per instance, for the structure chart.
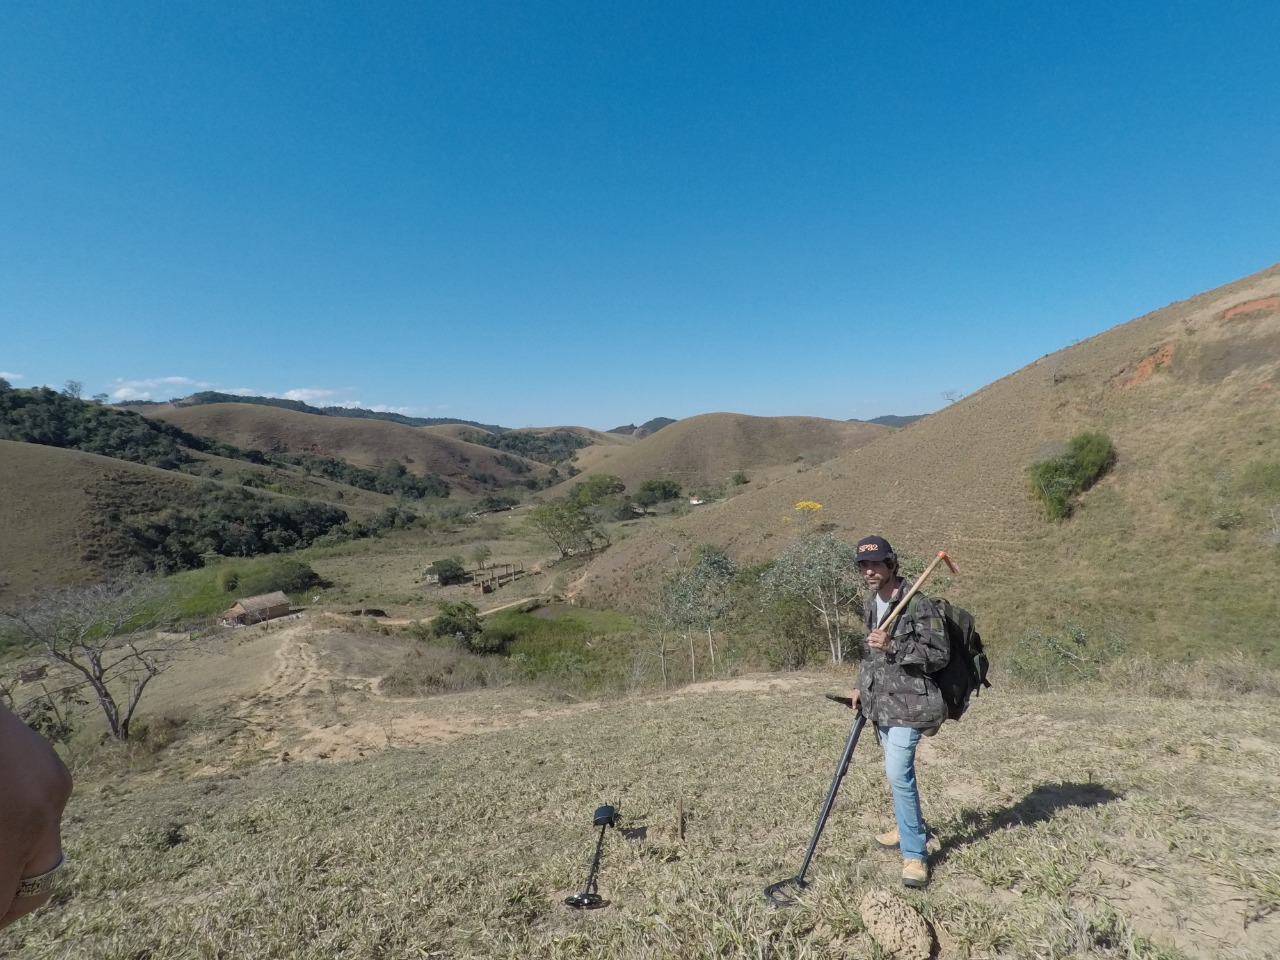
(897, 695)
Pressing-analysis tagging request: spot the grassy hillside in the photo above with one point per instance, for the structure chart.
(468, 467)
(64, 514)
(285, 808)
(1175, 551)
(46, 512)
(707, 450)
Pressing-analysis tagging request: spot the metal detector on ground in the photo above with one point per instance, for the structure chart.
(785, 892)
(589, 898)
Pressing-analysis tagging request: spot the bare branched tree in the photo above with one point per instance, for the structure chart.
(108, 636)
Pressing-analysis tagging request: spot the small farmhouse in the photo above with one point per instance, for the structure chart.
(268, 606)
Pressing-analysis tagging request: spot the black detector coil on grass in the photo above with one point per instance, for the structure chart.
(589, 898)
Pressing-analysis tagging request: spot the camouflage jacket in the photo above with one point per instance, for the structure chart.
(896, 688)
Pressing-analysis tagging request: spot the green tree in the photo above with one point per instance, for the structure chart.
(596, 489)
(821, 571)
(656, 491)
(697, 599)
(449, 570)
(568, 526)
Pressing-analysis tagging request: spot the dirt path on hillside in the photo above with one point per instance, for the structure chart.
(305, 708)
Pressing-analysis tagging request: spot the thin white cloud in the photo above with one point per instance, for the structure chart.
(403, 411)
(154, 388)
(6, 375)
(317, 397)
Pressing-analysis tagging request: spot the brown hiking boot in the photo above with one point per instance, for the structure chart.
(915, 873)
(889, 840)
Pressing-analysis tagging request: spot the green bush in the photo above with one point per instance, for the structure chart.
(449, 571)
(285, 573)
(491, 641)
(456, 619)
(1058, 480)
(655, 491)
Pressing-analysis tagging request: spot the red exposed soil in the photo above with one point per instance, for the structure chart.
(1148, 365)
(1269, 304)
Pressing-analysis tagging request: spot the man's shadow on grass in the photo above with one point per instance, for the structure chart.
(1038, 806)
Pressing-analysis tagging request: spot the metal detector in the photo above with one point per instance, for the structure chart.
(589, 899)
(785, 892)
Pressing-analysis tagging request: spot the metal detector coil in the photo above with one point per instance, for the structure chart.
(589, 899)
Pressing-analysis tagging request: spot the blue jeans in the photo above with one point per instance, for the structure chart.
(900, 767)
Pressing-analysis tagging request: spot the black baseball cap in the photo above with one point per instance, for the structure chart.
(875, 548)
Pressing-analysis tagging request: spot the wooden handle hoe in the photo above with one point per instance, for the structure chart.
(942, 557)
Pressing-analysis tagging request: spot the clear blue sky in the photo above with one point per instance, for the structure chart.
(593, 213)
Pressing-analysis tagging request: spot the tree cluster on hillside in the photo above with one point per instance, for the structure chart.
(394, 478)
(229, 523)
(553, 446)
(54, 419)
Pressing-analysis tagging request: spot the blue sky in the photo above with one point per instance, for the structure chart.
(534, 213)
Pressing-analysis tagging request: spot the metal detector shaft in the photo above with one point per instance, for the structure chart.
(595, 864)
(858, 723)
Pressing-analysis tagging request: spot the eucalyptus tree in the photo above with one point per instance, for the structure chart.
(822, 572)
(696, 598)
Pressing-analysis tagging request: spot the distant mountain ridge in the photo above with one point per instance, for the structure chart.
(893, 420)
(645, 429)
(212, 396)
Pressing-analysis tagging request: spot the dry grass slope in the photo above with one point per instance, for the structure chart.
(1190, 395)
(709, 449)
(51, 511)
(363, 442)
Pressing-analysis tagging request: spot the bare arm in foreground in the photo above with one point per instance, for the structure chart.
(34, 788)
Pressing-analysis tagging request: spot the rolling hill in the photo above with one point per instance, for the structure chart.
(707, 450)
(468, 467)
(64, 513)
(1178, 547)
